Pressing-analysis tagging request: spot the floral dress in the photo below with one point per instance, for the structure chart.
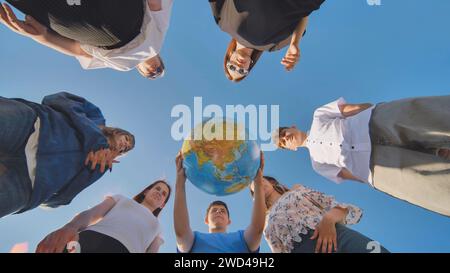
(297, 212)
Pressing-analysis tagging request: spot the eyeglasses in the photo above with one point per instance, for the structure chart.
(232, 67)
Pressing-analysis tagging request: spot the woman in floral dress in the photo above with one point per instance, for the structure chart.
(302, 220)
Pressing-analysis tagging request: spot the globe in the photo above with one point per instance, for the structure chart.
(219, 158)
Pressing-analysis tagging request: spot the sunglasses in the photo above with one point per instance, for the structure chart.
(242, 71)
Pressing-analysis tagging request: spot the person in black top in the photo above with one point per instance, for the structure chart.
(257, 26)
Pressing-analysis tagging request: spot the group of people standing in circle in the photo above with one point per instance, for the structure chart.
(52, 151)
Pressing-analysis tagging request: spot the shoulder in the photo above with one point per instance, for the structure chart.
(118, 198)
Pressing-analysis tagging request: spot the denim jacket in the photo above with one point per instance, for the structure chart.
(69, 130)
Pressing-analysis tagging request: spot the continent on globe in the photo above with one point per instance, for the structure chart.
(219, 162)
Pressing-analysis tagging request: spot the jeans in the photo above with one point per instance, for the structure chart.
(16, 125)
(348, 241)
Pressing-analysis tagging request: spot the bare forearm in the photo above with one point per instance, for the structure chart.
(81, 221)
(336, 214)
(347, 175)
(181, 215)
(299, 30)
(63, 45)
(259, 209)
(254, 231)
(349, 110)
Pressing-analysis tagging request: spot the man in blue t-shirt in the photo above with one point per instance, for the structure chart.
(218, 240)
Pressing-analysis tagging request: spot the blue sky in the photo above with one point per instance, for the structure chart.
(364, 53)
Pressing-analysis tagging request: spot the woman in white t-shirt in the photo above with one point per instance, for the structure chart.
(116, 34)
(117, 225)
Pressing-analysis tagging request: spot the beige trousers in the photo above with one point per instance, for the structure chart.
(406, 136)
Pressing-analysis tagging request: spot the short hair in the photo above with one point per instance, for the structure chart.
(277, 134)
(217, 203)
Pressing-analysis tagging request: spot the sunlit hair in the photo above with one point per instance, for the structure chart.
(217, 203)
(111, 132)
(277, 186)
(256, 54)
(141, 196)
(278, 134)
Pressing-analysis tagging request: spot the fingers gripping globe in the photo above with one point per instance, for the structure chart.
(219, 158)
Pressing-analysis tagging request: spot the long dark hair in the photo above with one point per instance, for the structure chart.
(277, 186)
(111, 132)
(141, 196)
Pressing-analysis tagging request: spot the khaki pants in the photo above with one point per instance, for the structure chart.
(406, 136)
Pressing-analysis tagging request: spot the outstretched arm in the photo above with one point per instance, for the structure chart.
(56, 241)
(254, 231)
(183, 231)
(38, 32)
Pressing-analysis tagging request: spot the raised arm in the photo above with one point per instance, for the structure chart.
(38, 32)
(254, 231)
(56, 241)
(183, 231)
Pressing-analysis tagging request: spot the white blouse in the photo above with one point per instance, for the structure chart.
(296, 212)
(336, 142)
(145, 46)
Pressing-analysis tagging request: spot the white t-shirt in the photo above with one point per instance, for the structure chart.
(130, 223)
(143, 47)
(31, 150)
(336, 142)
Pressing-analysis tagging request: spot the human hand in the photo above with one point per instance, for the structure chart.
(181, 173)
(326, 236)
(292, 57)
(259, 175)
(56, 241)
(29, 28)
(103, 157)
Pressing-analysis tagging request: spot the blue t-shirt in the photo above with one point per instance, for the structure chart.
(233, 242)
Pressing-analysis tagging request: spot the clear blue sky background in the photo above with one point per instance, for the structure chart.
(364, 53)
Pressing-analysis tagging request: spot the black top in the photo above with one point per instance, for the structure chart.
(261, 22)
(102, 23)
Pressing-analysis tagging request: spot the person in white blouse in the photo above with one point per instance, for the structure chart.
(93, 33)
(302, 220)
(117, 225)
(401, 148)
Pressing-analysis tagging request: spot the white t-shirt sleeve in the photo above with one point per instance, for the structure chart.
(163, 16)
(328, 171)
(330, 110)
(92, 62)
(156, 244)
